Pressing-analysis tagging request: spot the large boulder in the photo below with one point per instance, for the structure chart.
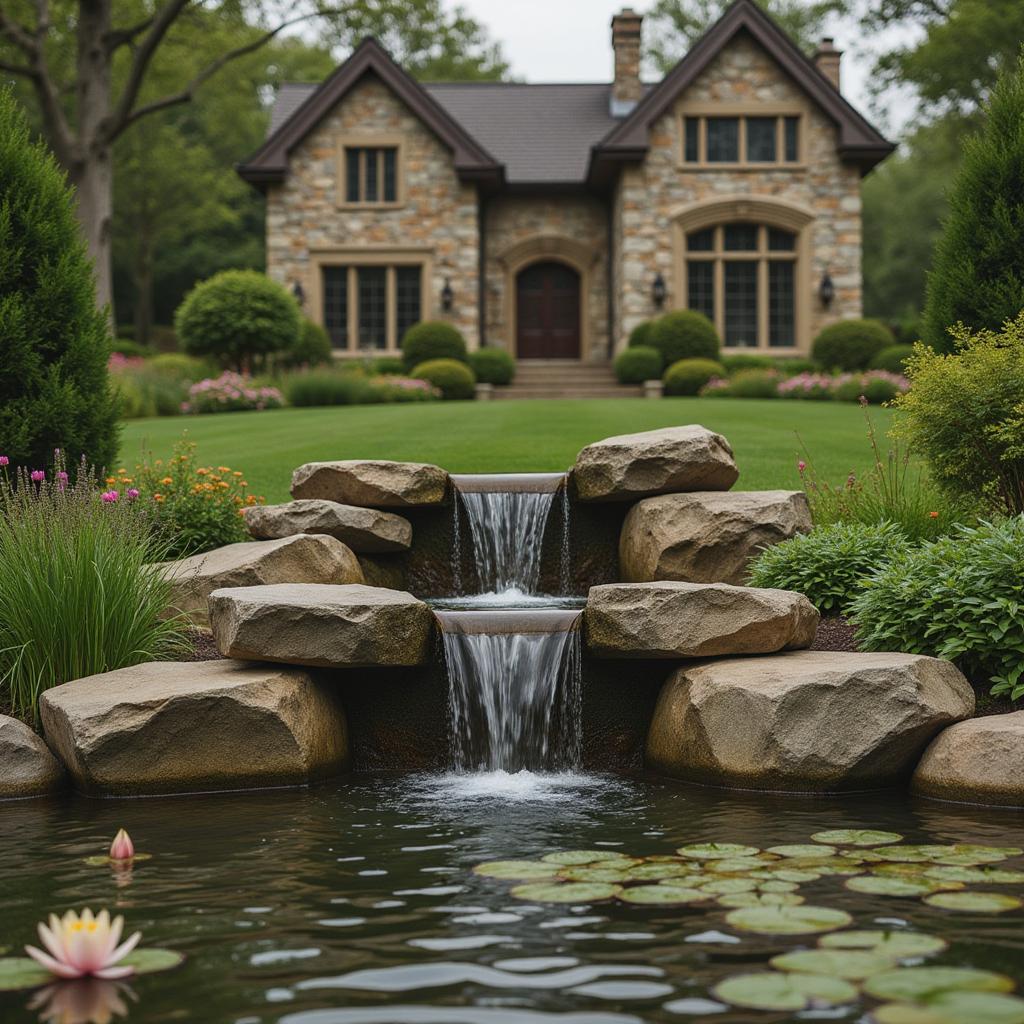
(707, 537)
(322, 626)
(374, 484)
(807, 721)
(631, 466)
(301, 559)
(364, 530)
(695, 620)
(170, 727)
(980, 761)
(27, 768)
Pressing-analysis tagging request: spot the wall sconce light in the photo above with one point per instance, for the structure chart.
(826, 290)
(299, 292)
(659, 291)
(447, 295)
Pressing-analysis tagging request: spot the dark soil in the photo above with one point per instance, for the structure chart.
(203, 647)
(835, 634)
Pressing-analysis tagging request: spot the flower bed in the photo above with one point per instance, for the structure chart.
(230, 392)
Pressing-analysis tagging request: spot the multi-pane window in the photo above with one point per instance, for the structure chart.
(369, 308)
(773, 139)
(742, 276)
(371, 174)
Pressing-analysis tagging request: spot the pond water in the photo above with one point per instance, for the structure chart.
(354, 902)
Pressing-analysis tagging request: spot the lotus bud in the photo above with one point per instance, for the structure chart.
(122, 848)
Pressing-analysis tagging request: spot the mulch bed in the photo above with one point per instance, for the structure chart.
(203, 647)
(835, 634)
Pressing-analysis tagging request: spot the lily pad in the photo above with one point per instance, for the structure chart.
(737, 865)
(516, 870)
(852, 965)
(955, 1008)
(716, 851)
(727, 886)
(904, 854)
(760, 899)
(17, 973)
(803, 850)
(655, 872)
(974, 902)
(566, 892)
(857, 837)
(996, 876)
(593, 874)
(786, 875)
(571, 858)
(897, 945)
(887, 885)
(777, 886)
(104, 859)
(777, 991)
(971, 853)
(661, 895)
(802, 920)
(917, 984)
(913, 870)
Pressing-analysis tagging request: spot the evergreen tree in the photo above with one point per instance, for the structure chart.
(977, 276)
(54, 342)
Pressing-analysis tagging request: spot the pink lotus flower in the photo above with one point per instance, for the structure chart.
(84, 946)
(37, 476)
(109, 497)
(122, 848)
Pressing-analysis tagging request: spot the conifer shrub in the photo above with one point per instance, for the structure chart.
(54, 388)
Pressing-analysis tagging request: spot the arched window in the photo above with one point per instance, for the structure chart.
(743, 276)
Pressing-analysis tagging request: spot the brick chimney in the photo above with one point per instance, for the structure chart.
(828, 59)
(626, 89)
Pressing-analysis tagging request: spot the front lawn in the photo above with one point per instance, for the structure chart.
(513, 436)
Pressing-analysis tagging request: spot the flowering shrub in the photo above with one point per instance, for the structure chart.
(230, 392)
(807, 385)
(716, 387)
(404, 389)
(143, 389)
(877, 386)
(195, 508)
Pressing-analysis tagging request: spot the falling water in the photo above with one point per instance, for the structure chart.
(565, 561)
(507, 517)
(514, 689)
(456, 546)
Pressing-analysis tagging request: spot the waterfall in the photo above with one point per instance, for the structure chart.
(514, 689)
(507, 515)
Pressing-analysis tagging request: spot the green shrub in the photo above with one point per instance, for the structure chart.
(688, 376)
(744, 361)
(180, 367)
(388, 365)
(965, 414)
(829, 564)
(80, 593)
(976, 275)
(640, 336)
(238, 317)
(127, 347)
(432, 339)
(959, 598)
(851, 344)
(637, 364)
(684, 334)
(144, 393)
(340, 386)
(54, 391)
(792, 365)
(755, 384)
(455, 380)
(312, 348)
(892, 358)
(492, 366)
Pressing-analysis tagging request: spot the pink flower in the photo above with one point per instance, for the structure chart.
(801, 465)
(80, 946)
(4, 460)
(110, 497)
(122, 848)
(131, 494)
(37, 476)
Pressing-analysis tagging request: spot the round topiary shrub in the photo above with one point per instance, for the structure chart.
(453, 379)
(432, 339)
(492, 366)
(755, 384)
(892, 358)
(312, 347)
(851, 344)
(640, 336)
(684, 334)
(635, 365)
(688, 376)
(390, 365)
(744, 361)
(54, 389)
(237, 316)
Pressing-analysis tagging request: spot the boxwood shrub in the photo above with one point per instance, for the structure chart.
(640, 336)
(492, 366)
(851, 344)
(637, 364)
(432, 339)
(453, 379)
(688, 376)
(684, 334)
(892, 358)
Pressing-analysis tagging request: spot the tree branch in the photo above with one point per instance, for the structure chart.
(122, 36)
(21, 37)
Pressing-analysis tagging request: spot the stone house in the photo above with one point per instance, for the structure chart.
(549, 220)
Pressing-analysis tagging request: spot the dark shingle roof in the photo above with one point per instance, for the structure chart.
(541, 133)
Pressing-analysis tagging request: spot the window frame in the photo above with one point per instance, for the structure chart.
(701, 113)
(348, 142)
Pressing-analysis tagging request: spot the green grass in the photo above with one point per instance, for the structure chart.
(514, 436)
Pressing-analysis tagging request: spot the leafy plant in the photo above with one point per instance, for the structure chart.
(851, 344)
(492, 365)
(637, 364)
(960, 597)
(965, 414)
(432, 339)
(875, 386)
(143, 391)
(755, 384)
(79, 593)
(684, 334)
(455, 380)
(230, 392)
(688, 376)
(892, 358)
(312, 347)
(829, 564)
(336, 386)
(388, 364)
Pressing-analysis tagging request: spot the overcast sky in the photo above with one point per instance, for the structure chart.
(570, 41)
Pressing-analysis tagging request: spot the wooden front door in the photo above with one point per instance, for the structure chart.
(548, 312)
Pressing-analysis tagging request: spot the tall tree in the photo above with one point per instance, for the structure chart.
(677, 24)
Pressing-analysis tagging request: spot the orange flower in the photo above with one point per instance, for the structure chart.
(237, 472)
(111, 480)
(202, 472)
(167, 480)
(933, 515)
(223, 469)
(158, 497)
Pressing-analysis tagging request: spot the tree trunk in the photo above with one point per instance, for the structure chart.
(93, 180)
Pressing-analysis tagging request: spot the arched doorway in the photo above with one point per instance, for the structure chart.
(548, 312)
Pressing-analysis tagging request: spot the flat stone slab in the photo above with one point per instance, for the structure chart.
(305, 558)
(171, 727)
(810, 721)
(27, 768)
(364, 530)
(709, 536)
(980, 761)
(372, 484)
(695, 620)
(322, 626)
(631, 466)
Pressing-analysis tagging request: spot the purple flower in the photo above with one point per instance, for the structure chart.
(4, 460)
(131, 494)
(109, 497)
(37, 476)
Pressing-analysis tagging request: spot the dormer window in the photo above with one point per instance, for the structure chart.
(370, 172)
(740, 140)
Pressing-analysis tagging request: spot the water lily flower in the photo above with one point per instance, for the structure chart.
(122, 848)
(81, 946)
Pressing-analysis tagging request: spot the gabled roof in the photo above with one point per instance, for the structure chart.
(859, 142)
(270, 161)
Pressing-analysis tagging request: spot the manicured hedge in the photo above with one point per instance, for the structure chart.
(851, 344)
(688, 376)
(432, 339)
(492, 366)
(455, 380)
(684, 334)
(635, 365)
